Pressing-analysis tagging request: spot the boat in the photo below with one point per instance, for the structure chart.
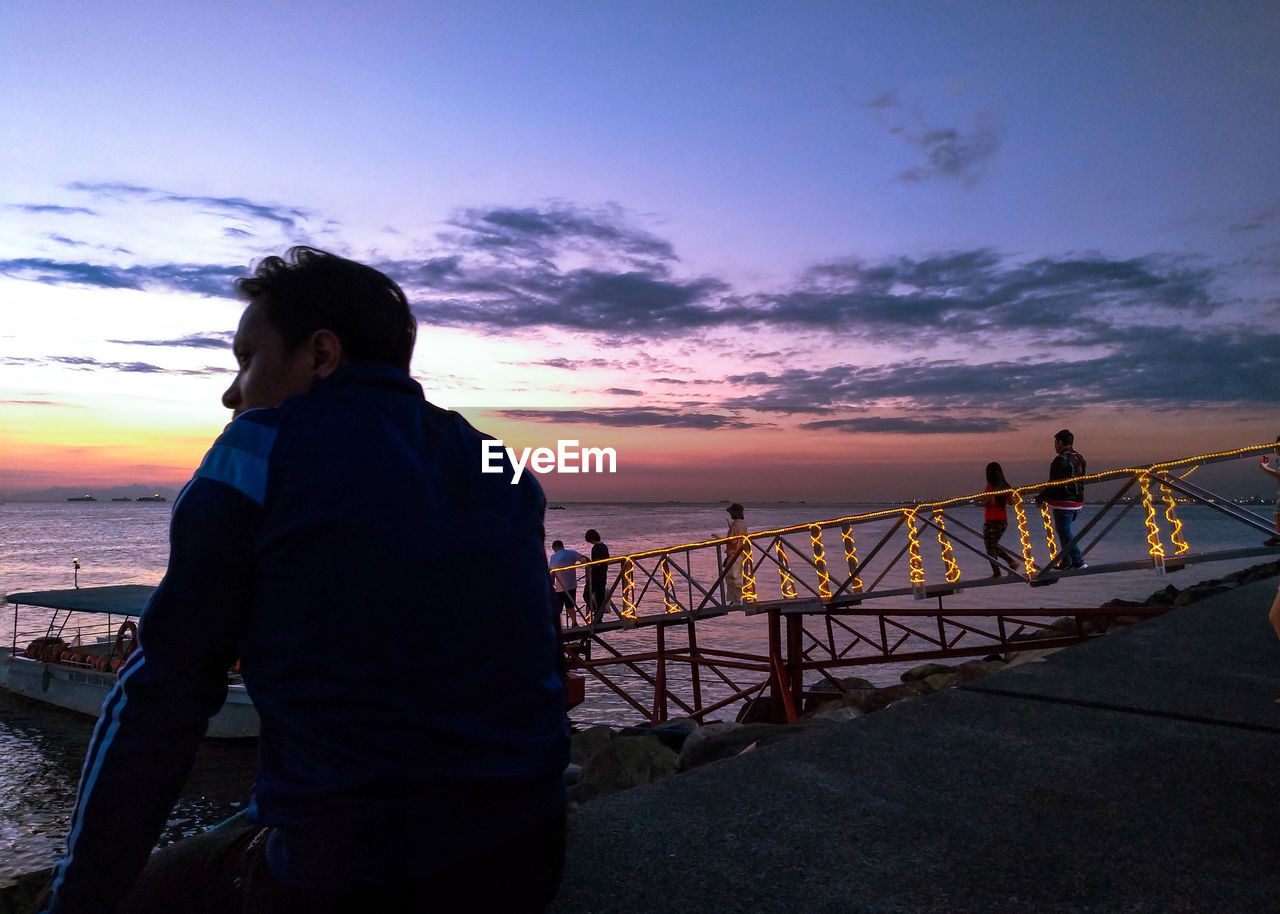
(555, 507)
(82, 498)
(68, 644)
(151, 498)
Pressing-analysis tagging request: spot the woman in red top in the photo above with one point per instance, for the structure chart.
(995, 520)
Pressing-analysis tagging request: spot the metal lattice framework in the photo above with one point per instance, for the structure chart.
(824, 593)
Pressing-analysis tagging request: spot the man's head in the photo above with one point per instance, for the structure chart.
(1063, 441)
(557, 545)
(591, 536)
(308, 315)
(735, 511)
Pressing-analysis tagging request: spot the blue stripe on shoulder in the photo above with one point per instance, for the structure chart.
(239, 458)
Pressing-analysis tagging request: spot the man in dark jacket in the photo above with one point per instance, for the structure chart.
(332, 540)
(1065, 499)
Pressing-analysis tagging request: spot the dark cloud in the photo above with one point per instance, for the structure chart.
(86, 363)
(624, 392)
(112, 189)
(36, 208)
(1256, 221)
(218, 340)
(557, 229)
(1154, 368)
(285, 216)
(588, 300)
(631, 418)
(904, 425)
(949, 154)
(70, 242)
(1074, 300)
(201, 279)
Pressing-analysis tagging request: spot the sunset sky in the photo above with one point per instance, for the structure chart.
(818, 250)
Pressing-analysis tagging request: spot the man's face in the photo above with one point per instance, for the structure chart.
(268, 375)
(1058, 446)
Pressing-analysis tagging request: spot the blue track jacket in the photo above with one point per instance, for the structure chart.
(393, 615)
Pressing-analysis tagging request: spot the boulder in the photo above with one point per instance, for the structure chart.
(1198, 592)
(691, 749)
(924, 670)
(876, 699)
(728, 740)
(937, 681)
(836, 713)
(671, 733)
(847, 684)
(622, 764)
(976, 669)
(1163, 597)
(586, 743)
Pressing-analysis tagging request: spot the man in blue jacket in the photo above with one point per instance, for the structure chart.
(413, 735)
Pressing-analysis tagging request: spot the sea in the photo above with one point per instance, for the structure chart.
(42, 748)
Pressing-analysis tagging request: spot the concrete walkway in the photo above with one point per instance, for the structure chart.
(1136, 772)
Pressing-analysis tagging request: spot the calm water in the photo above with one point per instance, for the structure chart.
(41, 748)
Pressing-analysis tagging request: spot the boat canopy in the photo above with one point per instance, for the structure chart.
(115, 599)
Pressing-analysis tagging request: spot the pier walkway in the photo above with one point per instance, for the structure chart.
(1139, 771)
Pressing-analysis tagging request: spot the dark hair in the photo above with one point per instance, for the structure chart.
(557, 545)
(995, 476)
(309, 290)
(735, 510)
(1065, 437)
(591, 536)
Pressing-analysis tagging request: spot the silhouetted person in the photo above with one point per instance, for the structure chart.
(1066, 498)
(734, 551)
(565, 578)
(995, 515)
(597, 578)
(392, 774)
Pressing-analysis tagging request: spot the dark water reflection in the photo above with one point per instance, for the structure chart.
(41, 752)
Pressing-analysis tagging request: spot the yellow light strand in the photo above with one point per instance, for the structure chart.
(1153, 530)
(1175, 524)
(851, 557)
(788, 583)
(1050, 540)
(1024, 537)
(948, 555)
(820, 561)
(913, 545)
(748, 573)
(628, 589)
(668, 586)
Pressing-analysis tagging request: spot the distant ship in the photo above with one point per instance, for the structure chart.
(151, 498)
(82, 498)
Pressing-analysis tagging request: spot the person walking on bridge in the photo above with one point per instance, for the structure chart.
(995, 516)
(1066, 498)
(735, 550)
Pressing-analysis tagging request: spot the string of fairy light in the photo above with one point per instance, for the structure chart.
(935, 510)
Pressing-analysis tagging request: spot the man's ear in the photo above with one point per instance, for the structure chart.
(326, 353)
